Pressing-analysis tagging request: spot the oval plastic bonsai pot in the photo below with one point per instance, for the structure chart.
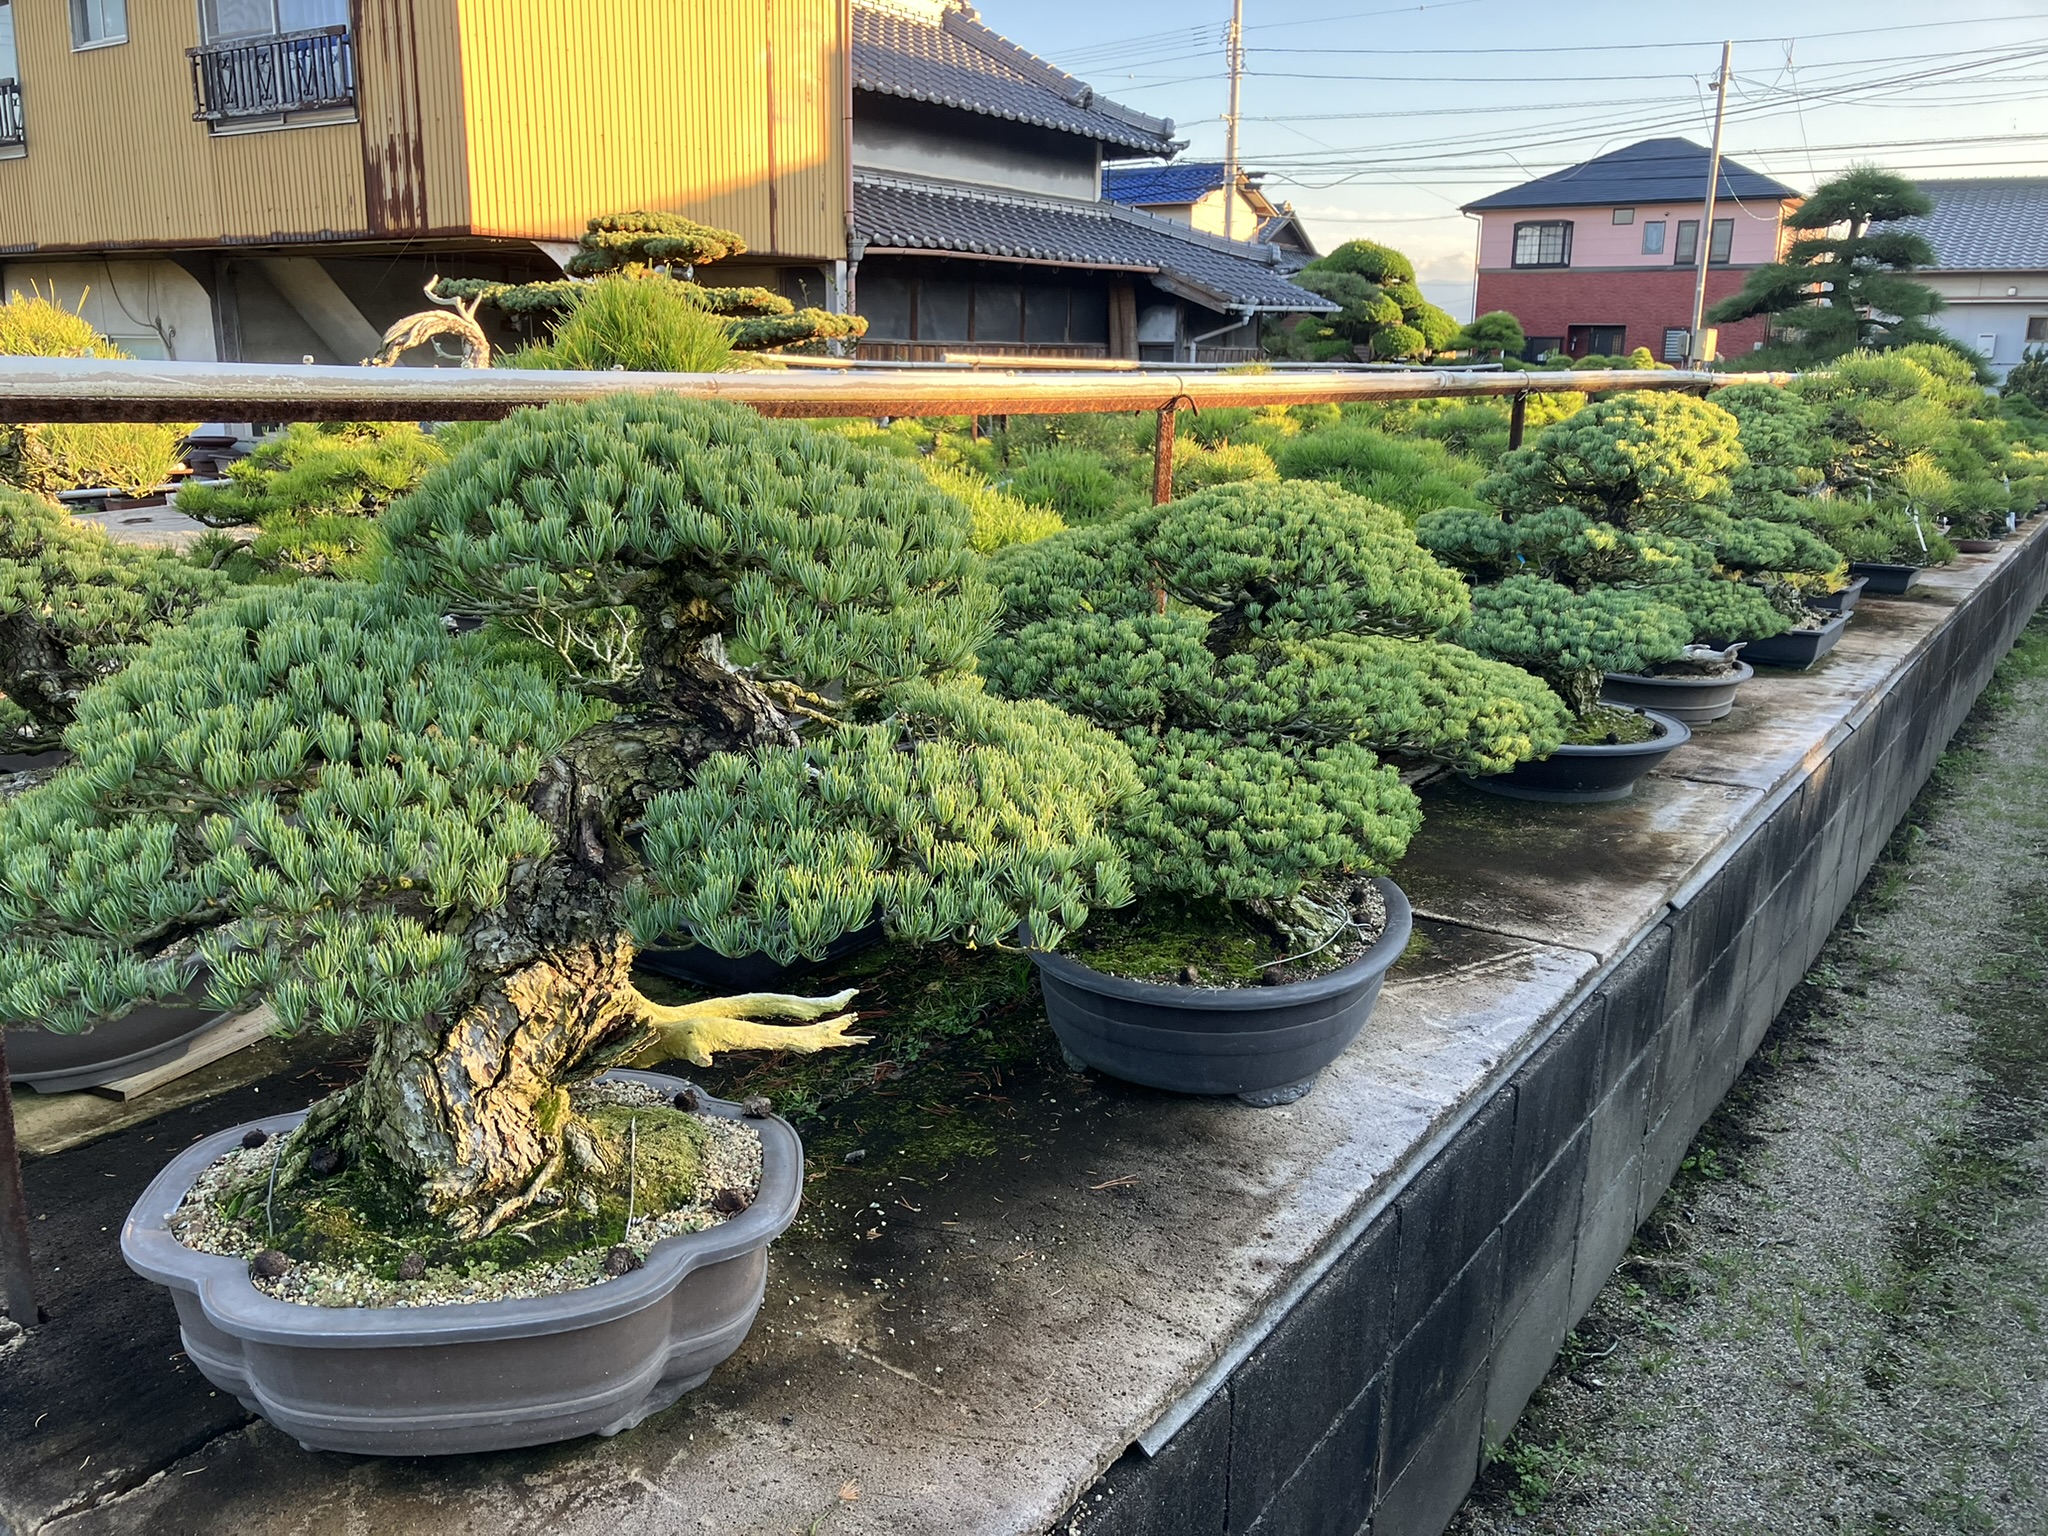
(1263, 1044)
(1842, 601)
(476, 1376)
(141, 1039)
(1586, 775)
(1693, 700)
(1976, 546)
(1798, 647)
(1885, 580)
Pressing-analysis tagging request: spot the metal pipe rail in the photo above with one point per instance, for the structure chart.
(65, 389)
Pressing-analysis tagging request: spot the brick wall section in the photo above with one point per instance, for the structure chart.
(1549, 303)
(1366, 1408)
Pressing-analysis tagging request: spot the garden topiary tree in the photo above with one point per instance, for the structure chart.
(74, 608)
(1257, 646)
(669, 248)
(1835, 292)
(1496, 332)
(754, 715)
(1382, 309)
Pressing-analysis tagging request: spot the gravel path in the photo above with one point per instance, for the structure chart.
(1834, 1321)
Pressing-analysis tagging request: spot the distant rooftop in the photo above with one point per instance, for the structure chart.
(1654, 171)
(1154, 186)
(1993, 224)
(938, 51)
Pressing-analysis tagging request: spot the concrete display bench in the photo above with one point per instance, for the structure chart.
(1153, 1315)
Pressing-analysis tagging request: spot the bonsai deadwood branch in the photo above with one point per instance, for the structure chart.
(416, 330)
(696, 1031)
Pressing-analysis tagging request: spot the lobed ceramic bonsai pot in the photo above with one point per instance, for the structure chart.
(478, 1376)
(143, 1038)
(1885, 580)
(704, 967)
(1693, 700)
(1840, 602)
(1263, 1044)
(1574, 775)
(1798, 647)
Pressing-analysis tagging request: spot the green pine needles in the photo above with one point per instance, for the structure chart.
(74, 607)
(1257, 646)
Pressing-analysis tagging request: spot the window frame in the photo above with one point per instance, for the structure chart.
(1685, 243)
(2037, 328)
(1564, 226)
(1726, 247)
(1623, 216)
(75, 14)
(1654, 231)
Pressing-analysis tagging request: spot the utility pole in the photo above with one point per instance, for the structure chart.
(1234, 48)
(1695, 346)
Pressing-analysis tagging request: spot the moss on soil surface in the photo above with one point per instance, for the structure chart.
(1610, 726)
(1833, 1321)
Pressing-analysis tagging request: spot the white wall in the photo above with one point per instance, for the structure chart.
(1988, 311)
(902, 149)
(147, 308)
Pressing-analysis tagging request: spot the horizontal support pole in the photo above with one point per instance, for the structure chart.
(66, 389)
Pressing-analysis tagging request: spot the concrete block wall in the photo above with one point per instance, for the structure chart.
(1367, 1407)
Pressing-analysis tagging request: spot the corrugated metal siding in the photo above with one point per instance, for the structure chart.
(604, 105)
(115, 158)
(437, 34)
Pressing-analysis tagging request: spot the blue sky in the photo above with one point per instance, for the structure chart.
(1379, 120)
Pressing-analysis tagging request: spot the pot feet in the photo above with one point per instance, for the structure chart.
(1286, 1093)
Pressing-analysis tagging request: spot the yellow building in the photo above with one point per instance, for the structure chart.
(268, 180)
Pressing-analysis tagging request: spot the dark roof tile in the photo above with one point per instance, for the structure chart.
(1992, 224)
(1654, 171)
(900, 213)
(957, 62)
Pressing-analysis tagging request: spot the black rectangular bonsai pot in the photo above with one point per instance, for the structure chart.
(471, 1376)
(1842, 601)
(1263, 1044)
(1797, 647)
(145, 1037)
(1885, 580)
(703, 967)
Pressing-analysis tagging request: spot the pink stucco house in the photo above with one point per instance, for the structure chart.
(1601, 256)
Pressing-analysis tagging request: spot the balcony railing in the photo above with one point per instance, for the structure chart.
(311, 71)
(13, 132)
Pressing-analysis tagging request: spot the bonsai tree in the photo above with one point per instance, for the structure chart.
(1569, 639)
(1382, 309)
(1835, 293)
(753, 713)
(1651, 476)
(313, 490)
(1495, 333)
(2027, 379)
(1259, 647)
(666, 248)
(132, 458)
(74, 608)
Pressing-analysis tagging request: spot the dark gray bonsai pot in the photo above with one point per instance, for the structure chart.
(1842, 601)
(749, 973)
(1264, 1044)
(480, 1376)
(1885, 580)
(145, 1037)
(1694, 700)
(1586, 775)
(1798, 647)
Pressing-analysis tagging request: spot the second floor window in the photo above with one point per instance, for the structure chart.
(1653, 237)
(1719, 247)
(1544, 245)
(232, 20)
(96, 22)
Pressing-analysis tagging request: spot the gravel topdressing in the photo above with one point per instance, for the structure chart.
(732, 1161)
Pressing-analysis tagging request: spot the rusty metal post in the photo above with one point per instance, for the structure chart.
(1162, 455)
(17, 1280)
(1518, 418)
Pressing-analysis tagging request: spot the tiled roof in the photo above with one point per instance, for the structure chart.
(899, 213)
(1997, 224)
(1150, 186)
(1654, 171)
(927, 51)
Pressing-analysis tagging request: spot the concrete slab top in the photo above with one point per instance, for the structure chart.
(965, 1349)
